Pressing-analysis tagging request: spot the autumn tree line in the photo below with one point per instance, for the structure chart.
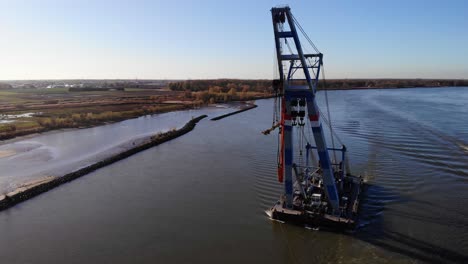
(223, 90)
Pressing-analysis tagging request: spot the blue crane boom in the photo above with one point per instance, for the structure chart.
(299, 75)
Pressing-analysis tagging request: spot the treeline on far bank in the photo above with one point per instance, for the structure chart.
(265, 86)
(222, 90)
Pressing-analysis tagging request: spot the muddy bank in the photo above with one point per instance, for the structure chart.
(31, 189)
(233, 113)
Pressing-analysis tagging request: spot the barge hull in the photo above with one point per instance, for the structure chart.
(346, 220)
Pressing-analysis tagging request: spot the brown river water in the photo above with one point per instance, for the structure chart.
(201, 198)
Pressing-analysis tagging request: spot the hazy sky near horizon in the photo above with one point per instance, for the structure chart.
(115, 39)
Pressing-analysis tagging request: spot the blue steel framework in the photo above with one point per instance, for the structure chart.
(292, 93)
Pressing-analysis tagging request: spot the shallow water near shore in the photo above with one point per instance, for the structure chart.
(59, 152)
(200, 198)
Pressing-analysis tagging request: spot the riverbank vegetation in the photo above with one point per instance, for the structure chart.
(223, 90)
(49, 120)
(24, 112)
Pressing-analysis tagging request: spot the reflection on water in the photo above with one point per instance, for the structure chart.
(200, 198)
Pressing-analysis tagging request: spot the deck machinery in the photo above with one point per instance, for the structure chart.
(320, 194)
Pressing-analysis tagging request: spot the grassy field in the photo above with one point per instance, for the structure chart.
(58, 108)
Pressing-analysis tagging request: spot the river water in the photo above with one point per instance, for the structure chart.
(200, 198)
(60, 152)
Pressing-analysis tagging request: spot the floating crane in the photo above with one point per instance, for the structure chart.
(318, 194)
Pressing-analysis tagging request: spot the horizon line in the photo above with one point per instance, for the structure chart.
(201, 79)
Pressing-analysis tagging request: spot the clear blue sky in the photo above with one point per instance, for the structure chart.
(48, 39)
